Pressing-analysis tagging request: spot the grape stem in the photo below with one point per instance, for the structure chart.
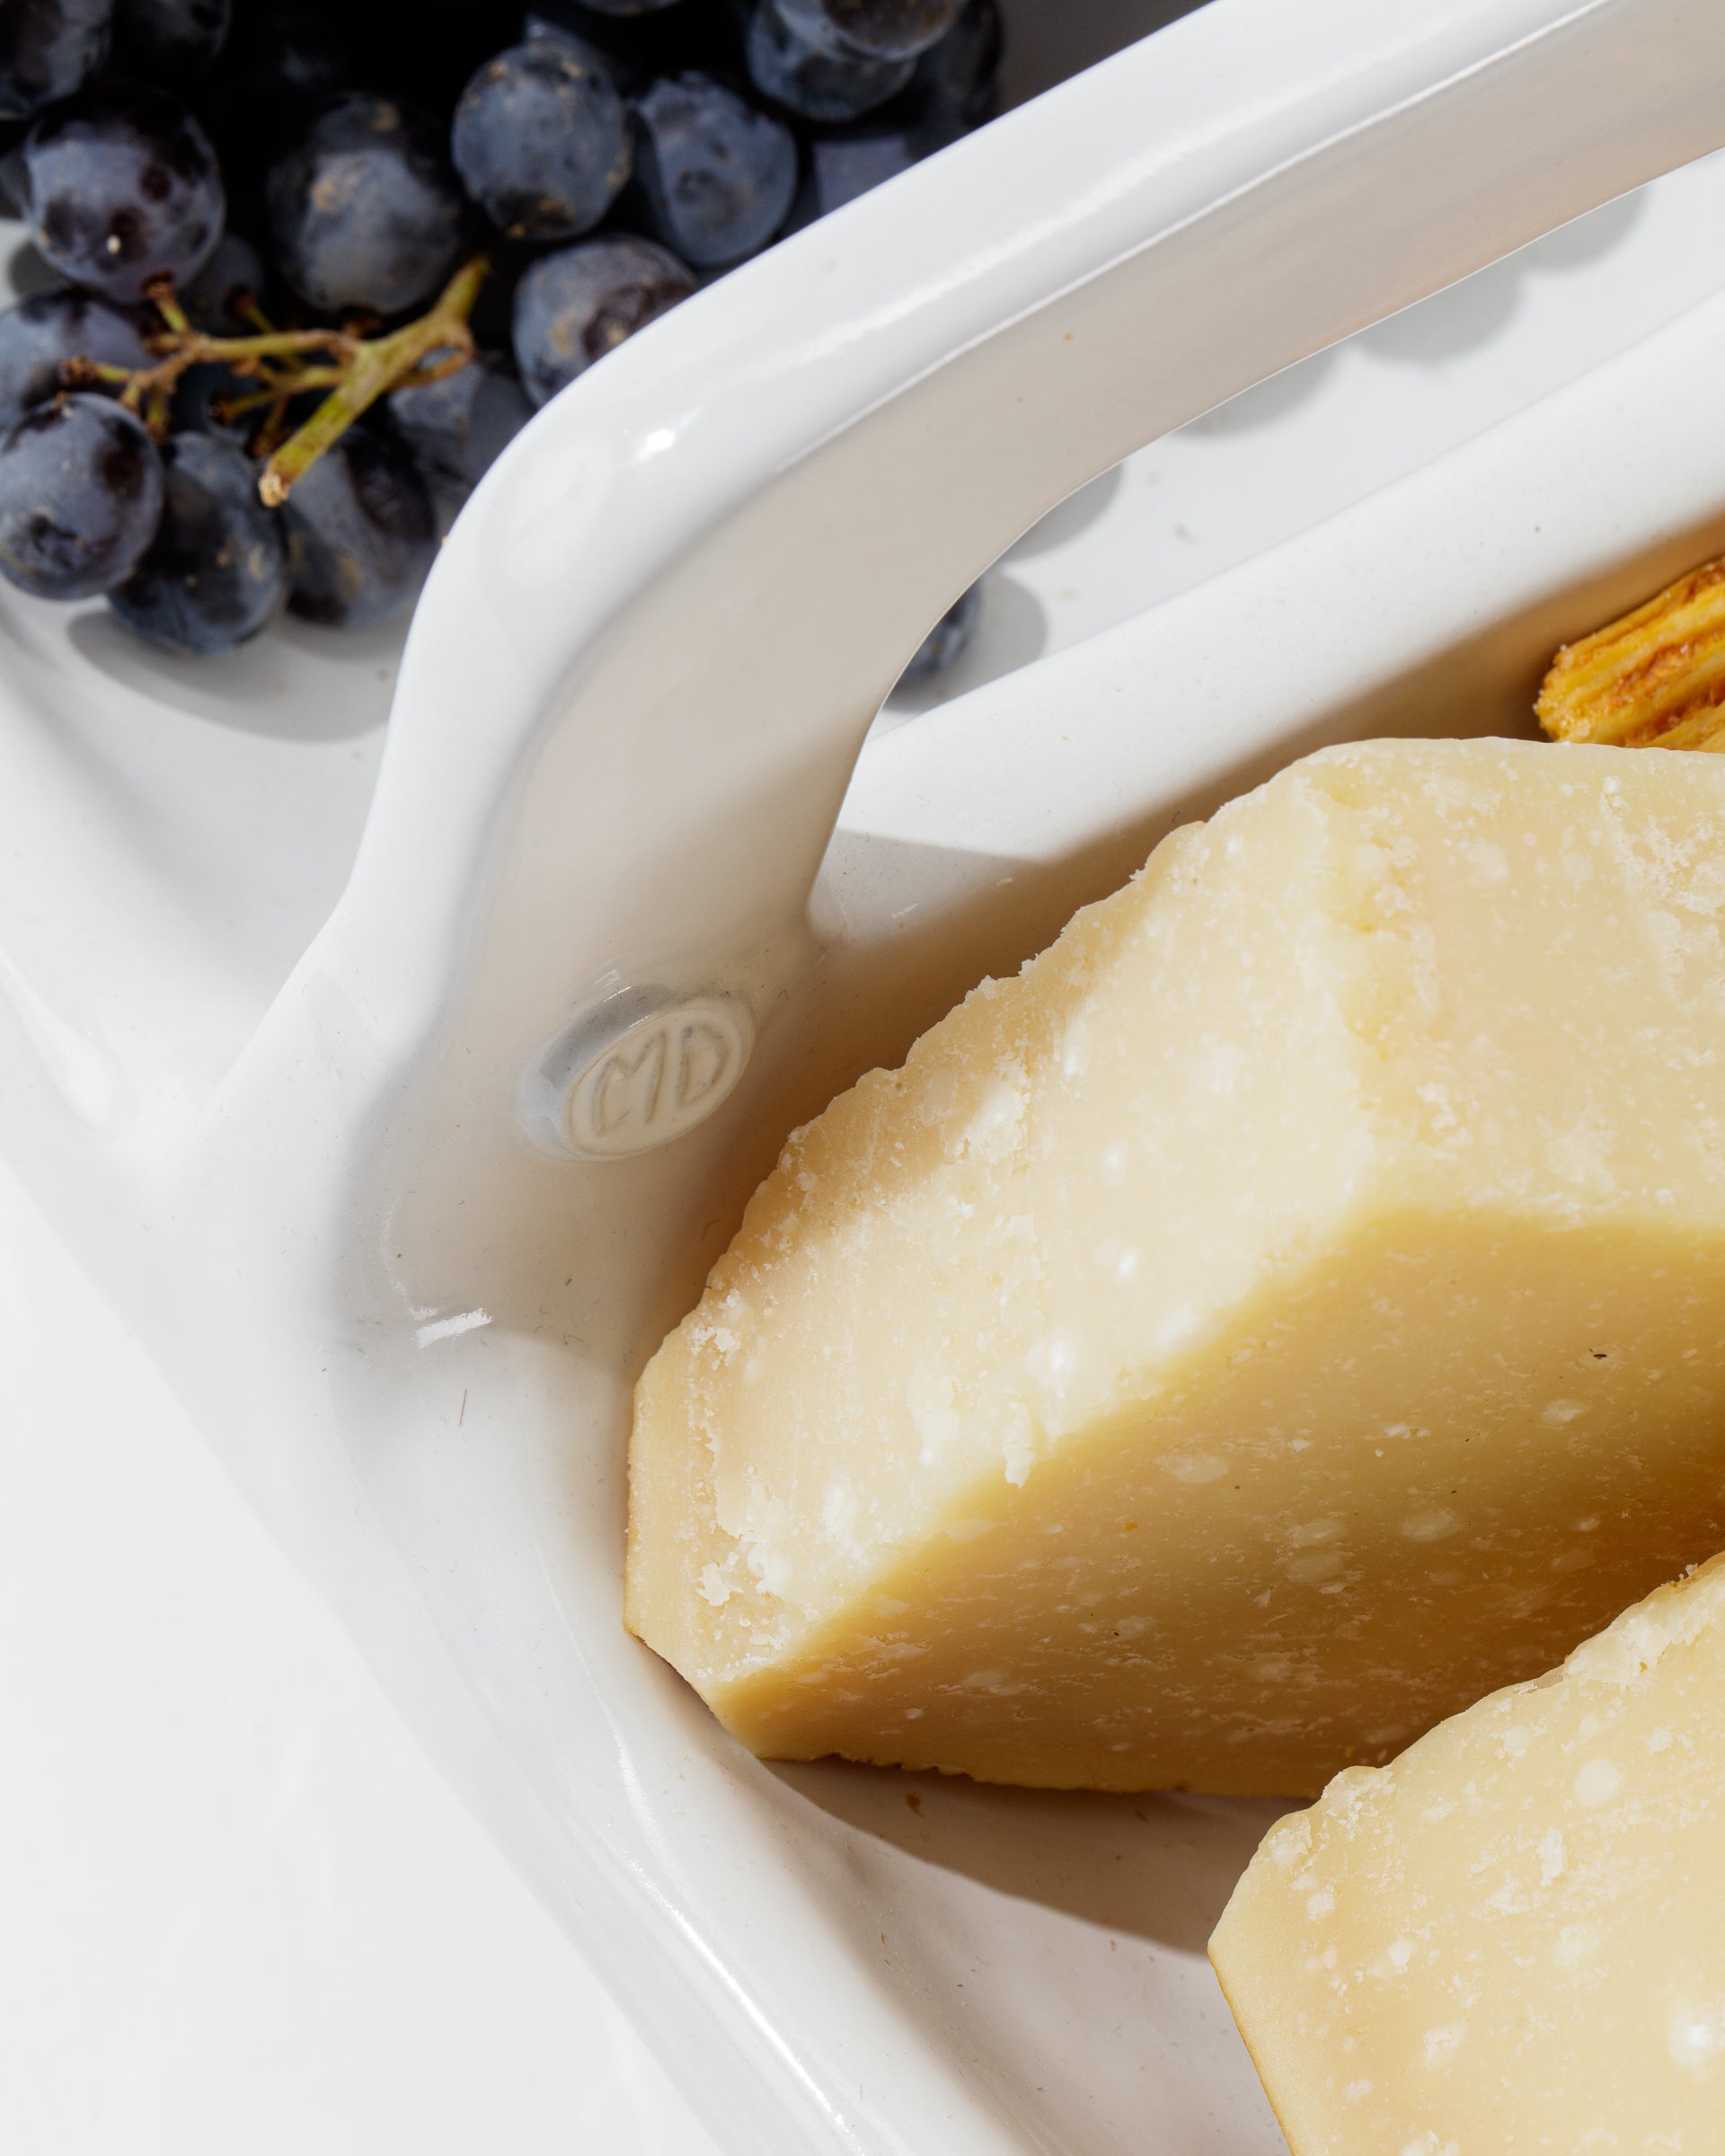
(439, 343)
(355, 370)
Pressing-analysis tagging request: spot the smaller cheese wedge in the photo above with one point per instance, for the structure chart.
(1512, 1940)
(1291, 1308)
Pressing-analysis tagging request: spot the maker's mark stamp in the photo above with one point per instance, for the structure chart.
(659, 1077)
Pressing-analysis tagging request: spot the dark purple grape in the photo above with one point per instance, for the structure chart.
(947, 642)
(843, 167)
(41, 332)
(121, 185)
(889, 29)
(458, 427)
(541, 140)
(282, 64)
(818, 85)
(47, 49)
(364, 211)
(80, 497)
(170, 42)
(574, 306)
(716, 177)
(956, 81)
(361, 532)
(233, 270)
(200, 396)
(216, 570)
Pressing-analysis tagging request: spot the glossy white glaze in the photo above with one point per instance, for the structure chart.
(626, 717)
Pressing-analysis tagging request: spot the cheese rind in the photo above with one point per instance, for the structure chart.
(1287, 1310)
(1510, 1939)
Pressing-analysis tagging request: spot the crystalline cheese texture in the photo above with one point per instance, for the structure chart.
(1292, 1307)
(1511, 1940)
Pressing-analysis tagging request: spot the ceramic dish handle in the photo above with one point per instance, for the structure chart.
(644, 666)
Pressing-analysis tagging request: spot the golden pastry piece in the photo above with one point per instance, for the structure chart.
(1652, 679)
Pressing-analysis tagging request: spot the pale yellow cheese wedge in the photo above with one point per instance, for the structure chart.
(1511, 1941)
(1290, 1309)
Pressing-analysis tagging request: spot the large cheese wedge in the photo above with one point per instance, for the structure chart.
(1513, 1939)
(1291, 1308)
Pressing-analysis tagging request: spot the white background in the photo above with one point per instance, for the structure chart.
(238, 1911)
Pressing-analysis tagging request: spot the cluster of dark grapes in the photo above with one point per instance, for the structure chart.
(213, 180)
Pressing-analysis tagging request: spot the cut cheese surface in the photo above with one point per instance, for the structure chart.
(1511, 1940)
(1290, 1308)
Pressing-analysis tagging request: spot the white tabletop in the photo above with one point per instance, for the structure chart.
(242, 1913)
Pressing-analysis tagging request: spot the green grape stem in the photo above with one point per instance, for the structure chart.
(356, 370)
(439, 343)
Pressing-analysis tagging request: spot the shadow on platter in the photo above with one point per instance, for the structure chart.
(1157, 1867)
(1266, 402)
(1470, 312)
(1067, 520)
(295, 682)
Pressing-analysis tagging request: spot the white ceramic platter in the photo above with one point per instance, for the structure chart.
(272, 1085)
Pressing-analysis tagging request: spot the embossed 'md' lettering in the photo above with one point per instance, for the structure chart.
(661, 1076)
(704, 1059)
(625, 1087)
